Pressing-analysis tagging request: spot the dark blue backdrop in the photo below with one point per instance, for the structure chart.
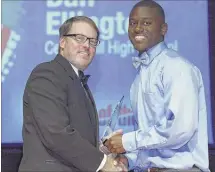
(30, 36)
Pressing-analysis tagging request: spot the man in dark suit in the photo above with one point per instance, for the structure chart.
(60, 127)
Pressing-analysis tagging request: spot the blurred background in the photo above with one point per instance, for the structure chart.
(30, 36)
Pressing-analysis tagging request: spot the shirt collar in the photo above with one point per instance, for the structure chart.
(150, 54)
(75, 69)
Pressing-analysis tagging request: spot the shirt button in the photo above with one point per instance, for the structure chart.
(137, 169)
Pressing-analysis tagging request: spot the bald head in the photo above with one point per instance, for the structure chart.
(150, 4)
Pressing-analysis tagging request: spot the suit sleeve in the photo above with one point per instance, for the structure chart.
(47, 101)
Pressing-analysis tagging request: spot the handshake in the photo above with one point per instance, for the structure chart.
(112, 147)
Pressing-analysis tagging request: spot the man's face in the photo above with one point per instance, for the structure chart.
(146, 28)
(79, 54)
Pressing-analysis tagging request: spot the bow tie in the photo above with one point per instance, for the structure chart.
(137, 61)
(83, 78)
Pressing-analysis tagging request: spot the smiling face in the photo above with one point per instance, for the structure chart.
(79, 54)
(146, 28)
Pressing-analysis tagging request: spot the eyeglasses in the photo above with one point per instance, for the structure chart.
(82, 39)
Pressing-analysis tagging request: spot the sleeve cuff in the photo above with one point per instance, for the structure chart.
(132, 157)
(102, 163)
(129, 141)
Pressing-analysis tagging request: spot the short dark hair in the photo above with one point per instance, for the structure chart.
(67, 25)
(150, 4)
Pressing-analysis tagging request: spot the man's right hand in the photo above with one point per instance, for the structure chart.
(123, 161)
(113, 165)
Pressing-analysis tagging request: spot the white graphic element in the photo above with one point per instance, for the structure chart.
(173, 45)
(101, 48)
(8, 56)
(70, 4)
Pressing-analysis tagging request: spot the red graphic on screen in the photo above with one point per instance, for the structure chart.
(5, 32)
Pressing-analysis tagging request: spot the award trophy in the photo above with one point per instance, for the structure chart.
(109, 129)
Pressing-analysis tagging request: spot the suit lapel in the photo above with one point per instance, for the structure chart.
(95, 117)
(91, 106)
(66, 65)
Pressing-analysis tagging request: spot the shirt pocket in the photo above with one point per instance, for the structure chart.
(153, 99)
(154, 105)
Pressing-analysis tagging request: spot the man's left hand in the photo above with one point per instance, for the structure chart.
(114, 143)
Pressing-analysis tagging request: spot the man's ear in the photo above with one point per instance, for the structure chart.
(164, 28)
(62, 42)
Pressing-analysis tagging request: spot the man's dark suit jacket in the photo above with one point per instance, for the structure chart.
(60, 127)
